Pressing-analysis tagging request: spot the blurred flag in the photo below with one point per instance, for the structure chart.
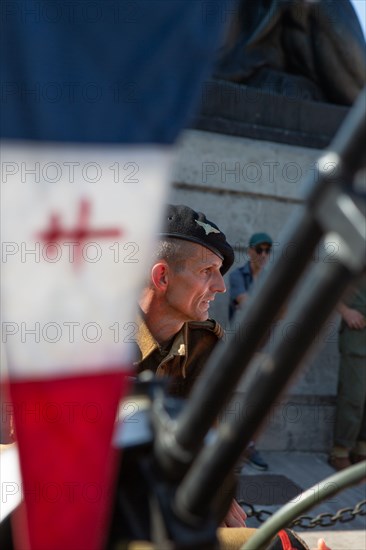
(93, 96)
(73, 258)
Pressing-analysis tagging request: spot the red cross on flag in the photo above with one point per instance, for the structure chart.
(77, 227)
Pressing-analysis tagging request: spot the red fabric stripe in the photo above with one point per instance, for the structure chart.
(64, 429)
(286, 543)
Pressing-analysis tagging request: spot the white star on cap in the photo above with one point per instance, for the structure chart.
(207, 227)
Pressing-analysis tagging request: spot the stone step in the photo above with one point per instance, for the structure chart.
(295, 423)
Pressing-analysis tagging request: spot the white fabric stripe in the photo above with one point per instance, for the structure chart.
(67, 306)
(11, 486)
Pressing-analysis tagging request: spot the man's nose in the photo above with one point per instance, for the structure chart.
(219, 283)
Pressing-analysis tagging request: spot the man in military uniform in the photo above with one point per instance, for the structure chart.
(175, 336)
(350, 423)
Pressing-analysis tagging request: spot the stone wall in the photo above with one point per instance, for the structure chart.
(246, 186)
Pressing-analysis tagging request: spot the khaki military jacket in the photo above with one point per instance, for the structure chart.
(353, 342)
(185, 356)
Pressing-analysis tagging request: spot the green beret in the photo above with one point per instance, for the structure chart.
(181, 222)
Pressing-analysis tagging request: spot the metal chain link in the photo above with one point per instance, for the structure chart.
(343, 515)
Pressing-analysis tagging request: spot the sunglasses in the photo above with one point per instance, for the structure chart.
(261, 249)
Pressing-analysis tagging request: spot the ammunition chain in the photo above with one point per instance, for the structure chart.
(343, 515)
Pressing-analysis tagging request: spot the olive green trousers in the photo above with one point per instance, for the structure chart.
(350, 420)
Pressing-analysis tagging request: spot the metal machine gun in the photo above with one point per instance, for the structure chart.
(176, 479)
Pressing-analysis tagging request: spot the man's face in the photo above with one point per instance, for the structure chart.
(259, 254)
(192, 288)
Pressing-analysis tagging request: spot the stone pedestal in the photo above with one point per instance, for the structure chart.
(245, 186)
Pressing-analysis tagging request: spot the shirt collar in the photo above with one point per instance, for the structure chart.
(148, 344)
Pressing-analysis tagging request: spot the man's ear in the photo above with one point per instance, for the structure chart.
(159, 275)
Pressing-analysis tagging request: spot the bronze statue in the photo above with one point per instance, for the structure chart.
(310, 49)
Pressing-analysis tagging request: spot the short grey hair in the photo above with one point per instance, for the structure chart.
(174, 251)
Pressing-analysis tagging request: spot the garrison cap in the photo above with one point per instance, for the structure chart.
(260, 238)
(181, 222)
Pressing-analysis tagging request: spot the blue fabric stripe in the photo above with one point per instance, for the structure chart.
(105, 71)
